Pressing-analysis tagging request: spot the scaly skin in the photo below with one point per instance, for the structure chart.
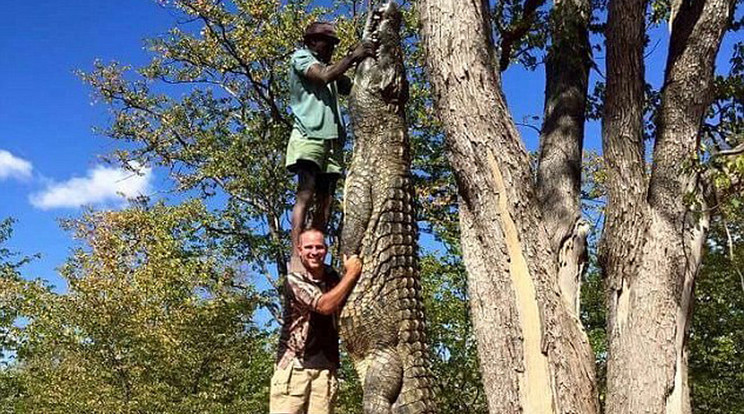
(382, 322)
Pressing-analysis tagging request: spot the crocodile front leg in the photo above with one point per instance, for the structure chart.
(357, 211)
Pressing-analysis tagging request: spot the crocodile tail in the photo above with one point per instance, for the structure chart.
(416, 396)
(417, 390)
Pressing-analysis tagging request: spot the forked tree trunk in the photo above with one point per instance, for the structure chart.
(533, 353)
(653, 237)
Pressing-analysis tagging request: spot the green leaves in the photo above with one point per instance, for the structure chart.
(153, 321)
(211, 107)
(717, 333)
(450, 335)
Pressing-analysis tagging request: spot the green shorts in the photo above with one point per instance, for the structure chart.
(326, 154)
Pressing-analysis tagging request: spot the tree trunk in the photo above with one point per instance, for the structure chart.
(654, 233)
(533, 353)
(561, 139)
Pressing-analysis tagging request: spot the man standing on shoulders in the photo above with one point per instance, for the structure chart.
(315, 146)
(304, 380)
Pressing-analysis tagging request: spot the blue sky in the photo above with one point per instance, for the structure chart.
(50, 158)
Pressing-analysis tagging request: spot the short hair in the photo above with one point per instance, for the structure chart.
(310, 229)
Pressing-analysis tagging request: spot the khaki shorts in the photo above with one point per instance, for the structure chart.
(327, 154)
(297, 390)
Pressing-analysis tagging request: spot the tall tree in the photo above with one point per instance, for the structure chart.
(561, 142)
(534, 354)
(656, 223)
(655, 227)
(9, 273)
(10, 263)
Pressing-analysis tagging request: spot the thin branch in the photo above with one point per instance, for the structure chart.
(272, 307)
(528, 126)
(729, 239)
(227, 231)
(739, 149)
(593, 200)
(730, 243)
(257, 86)
(205, 81)
(251, 201)
(221, 33)
(200, 373)
(652, 49)
(274, 283)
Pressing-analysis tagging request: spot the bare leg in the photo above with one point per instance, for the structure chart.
(325, 189)
(306, 183)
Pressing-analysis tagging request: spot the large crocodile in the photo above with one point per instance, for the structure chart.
(382, 323)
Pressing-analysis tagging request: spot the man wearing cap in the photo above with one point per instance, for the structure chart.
(315, 146)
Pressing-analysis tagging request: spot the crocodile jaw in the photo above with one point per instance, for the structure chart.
(378, 18)
(384, 75)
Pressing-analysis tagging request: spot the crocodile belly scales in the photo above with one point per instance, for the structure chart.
(383, 324)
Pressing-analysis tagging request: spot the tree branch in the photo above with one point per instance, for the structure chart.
(516, 32)
(221, 33)
(739, 149)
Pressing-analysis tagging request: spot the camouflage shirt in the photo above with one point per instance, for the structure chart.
(308, 336)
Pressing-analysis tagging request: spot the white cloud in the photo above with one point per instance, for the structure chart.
(13, 167)
(101, 185)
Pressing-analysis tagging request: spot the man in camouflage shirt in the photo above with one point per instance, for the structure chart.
(304, 378)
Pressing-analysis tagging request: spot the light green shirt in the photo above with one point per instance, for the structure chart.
(315, 108)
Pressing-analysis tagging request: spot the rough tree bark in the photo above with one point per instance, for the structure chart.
(655, 227)
(561, 142)
(534, 355)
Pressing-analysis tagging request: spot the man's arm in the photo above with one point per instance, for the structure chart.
(323, 75)
(331, 301)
